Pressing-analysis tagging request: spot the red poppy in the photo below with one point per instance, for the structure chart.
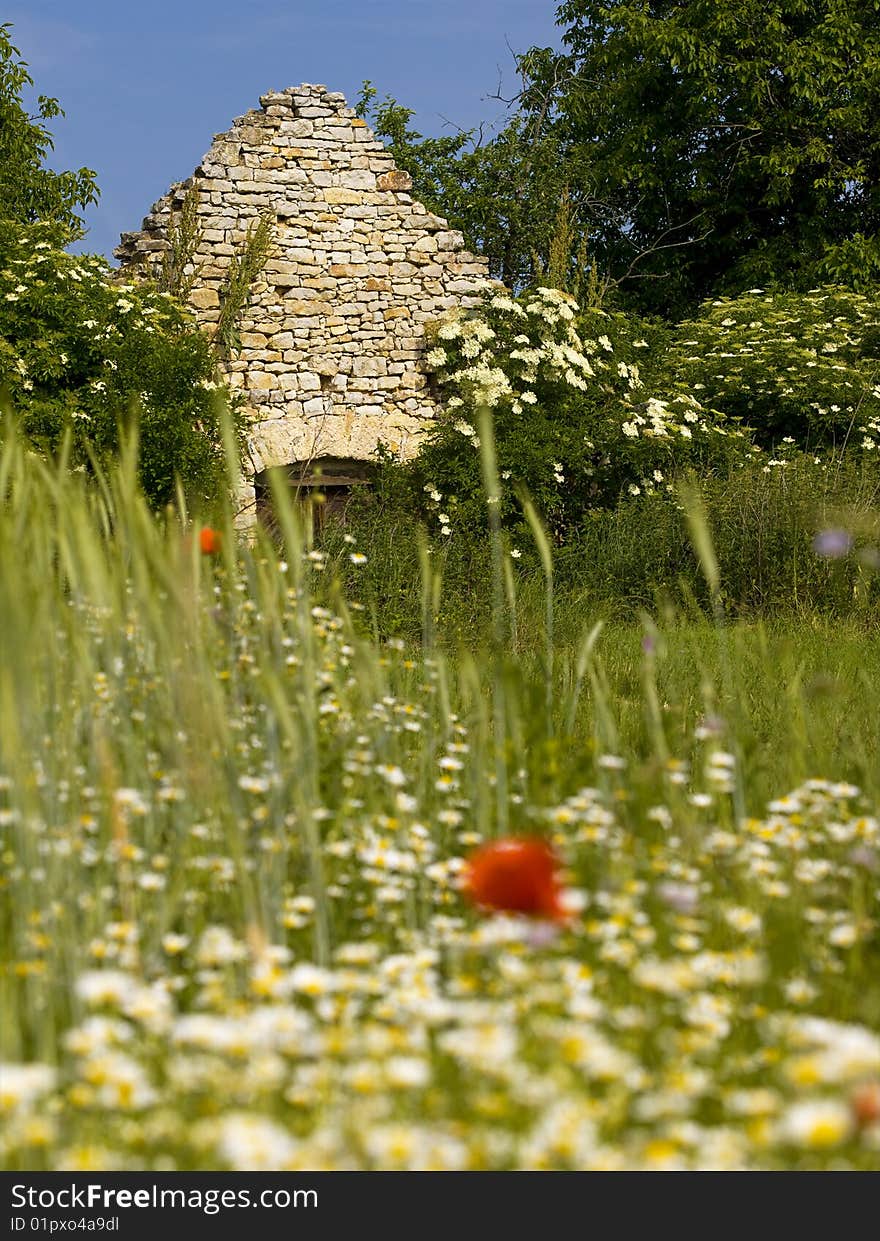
(865, 1103)
(516, 875)
(210, 540)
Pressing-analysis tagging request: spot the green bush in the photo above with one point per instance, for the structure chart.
(574, 422)
(764, 521)
(798, 366)
(766, 524)
(588, 445)
(83, 357)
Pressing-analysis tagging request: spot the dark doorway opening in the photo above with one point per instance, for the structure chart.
(322, 488)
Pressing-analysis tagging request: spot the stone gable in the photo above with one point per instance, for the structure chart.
(333, 336)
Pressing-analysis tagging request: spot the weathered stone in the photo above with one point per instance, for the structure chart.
(449, 241)
(363, 367)
(332, 337)
(335, 195)
(396, 181)
(204, 298)
(358, 180)
(306, 308)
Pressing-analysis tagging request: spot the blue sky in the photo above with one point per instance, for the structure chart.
(145, 84)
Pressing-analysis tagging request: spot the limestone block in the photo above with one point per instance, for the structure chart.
(276, 443)
(284, 280)
(395, 181)
(449, 240)
(204, 298)
(358, 180)
(250, 135)
(349, 270)
(369, 367)
(337, 196)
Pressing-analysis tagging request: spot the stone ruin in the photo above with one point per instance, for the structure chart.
(332, 336)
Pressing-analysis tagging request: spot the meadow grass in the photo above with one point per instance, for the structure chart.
(234, 818)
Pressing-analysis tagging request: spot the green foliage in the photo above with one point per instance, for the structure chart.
(574, 423)
(796, 367)
(244, 268)
(732, 144)
(706, 148)
(576, 428)
(618, 561)
(763, 520)
(179, 270)
(568, 265)
(28, 190)
(82, 357)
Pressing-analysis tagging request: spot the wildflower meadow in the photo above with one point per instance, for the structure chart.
(279, 893)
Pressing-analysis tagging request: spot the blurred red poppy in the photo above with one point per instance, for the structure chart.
(516, 875)
(865, 1103)
(210, 540)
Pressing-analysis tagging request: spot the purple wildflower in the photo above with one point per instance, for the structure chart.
(832, 543)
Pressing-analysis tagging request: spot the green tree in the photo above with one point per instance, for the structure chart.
(730, 143)
(706, 147)
(29, 190)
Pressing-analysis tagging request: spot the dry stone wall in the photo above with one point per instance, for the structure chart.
(333, 335)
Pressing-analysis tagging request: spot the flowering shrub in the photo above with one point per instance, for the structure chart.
(802, 367)
(573, 420)
(82, 355)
